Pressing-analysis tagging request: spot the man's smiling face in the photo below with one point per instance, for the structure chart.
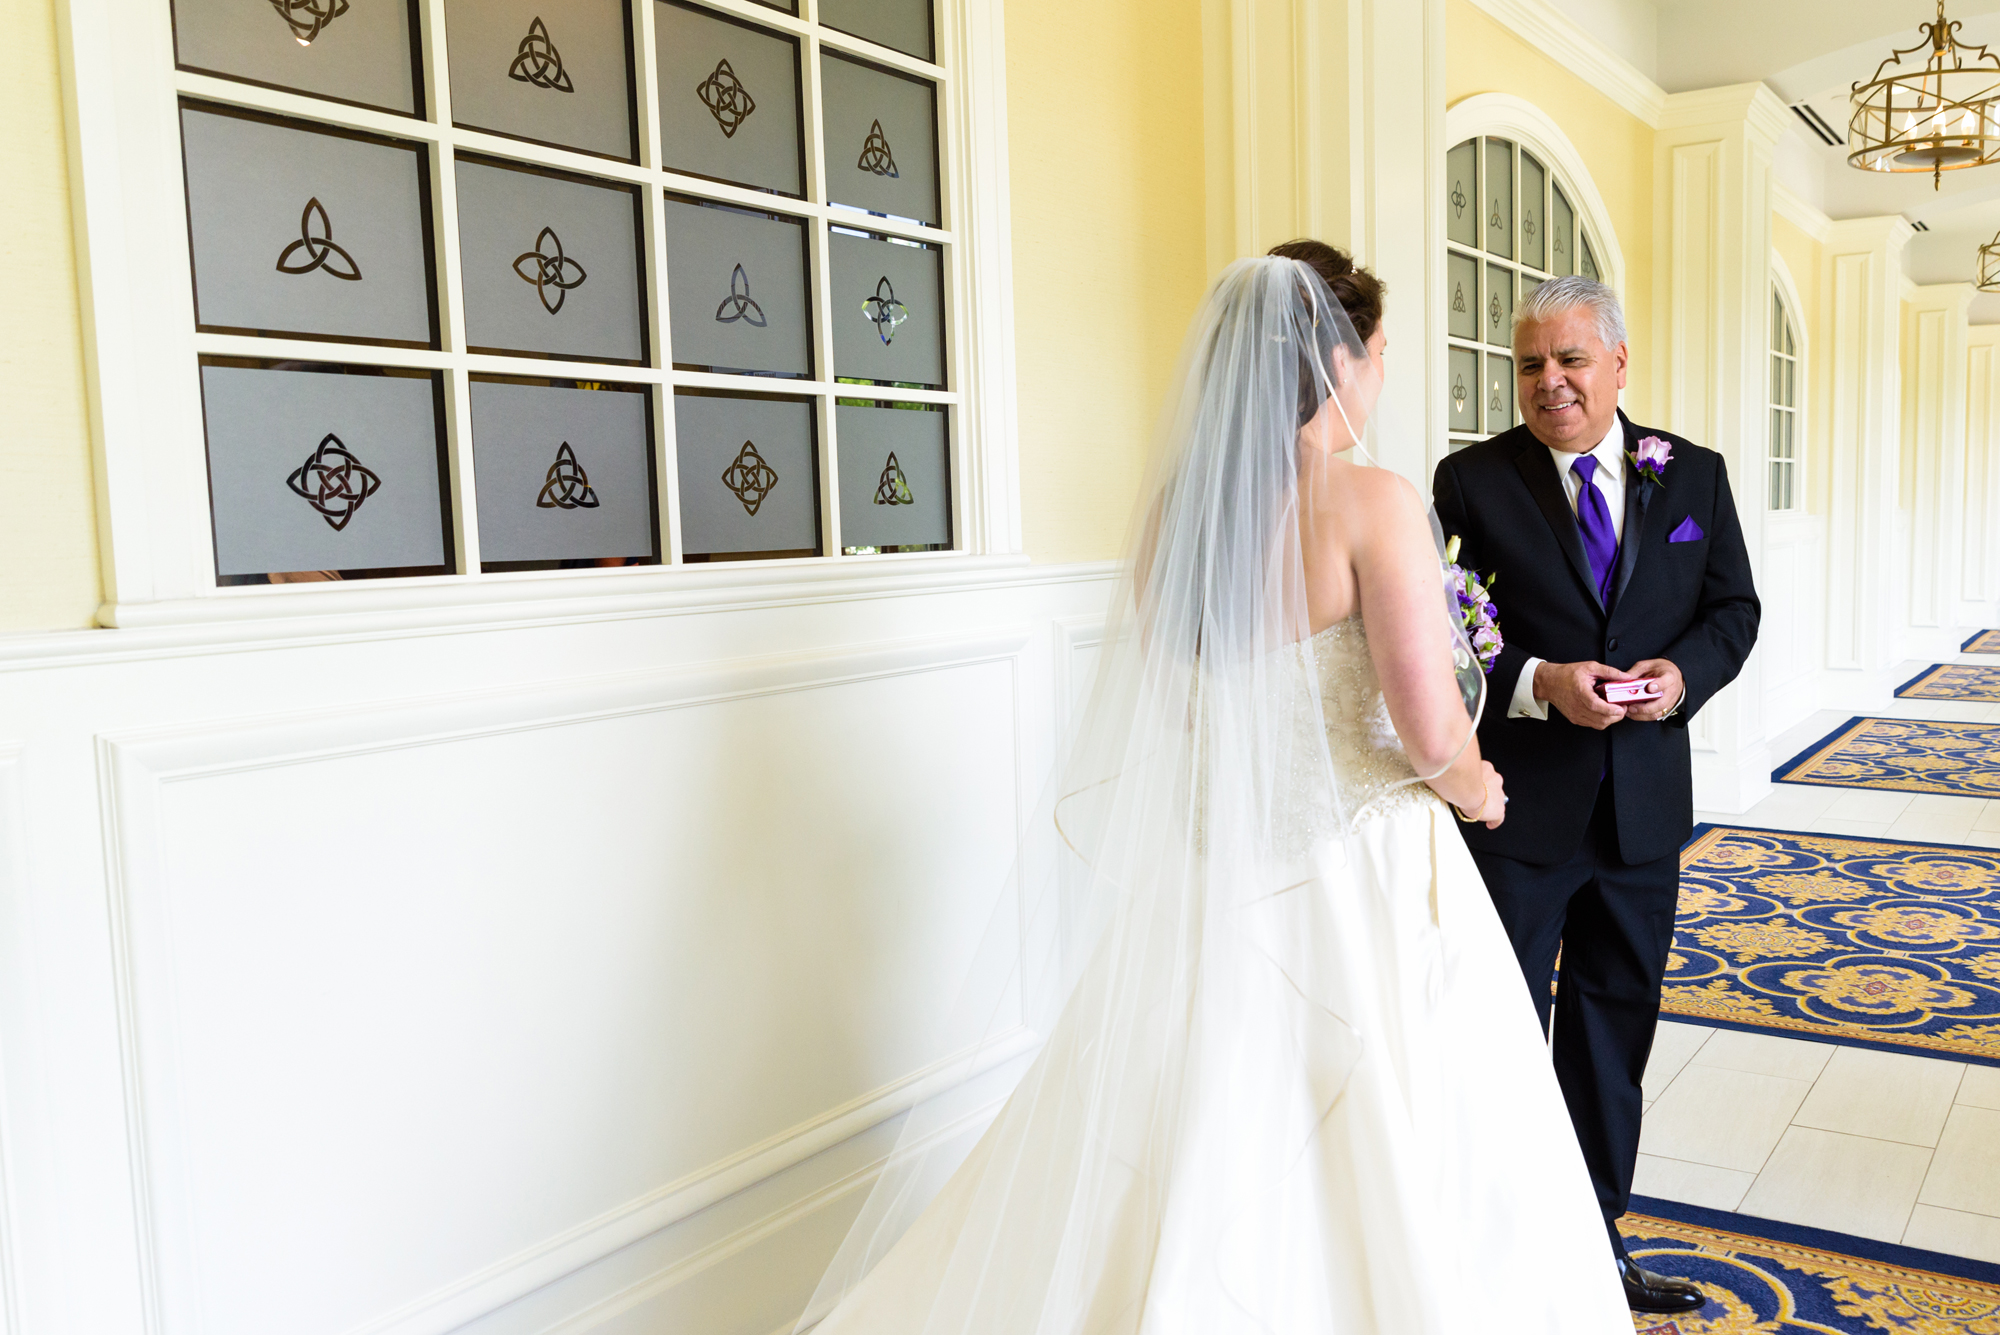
(1568, 380)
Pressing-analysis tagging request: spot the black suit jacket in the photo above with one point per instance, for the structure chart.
(1691, 602)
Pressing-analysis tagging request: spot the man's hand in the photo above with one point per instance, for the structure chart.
(1671, 689)
(1572, 689)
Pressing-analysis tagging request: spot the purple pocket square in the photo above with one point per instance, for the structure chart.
(1688, 531)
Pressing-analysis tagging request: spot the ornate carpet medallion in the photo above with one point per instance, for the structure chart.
(1903, 755)
(1982, 642)
(1863, 941)
(1949, 681)
(1765, 1278)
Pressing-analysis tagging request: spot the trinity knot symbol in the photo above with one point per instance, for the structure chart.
(1458, 298)
(883, 310)
(893, 488)
(306, 17)
(316, 240)
(738, 305)
(875, 154)
(726, 98)
(549, 270)
(567, 486)
(750, 477)
(537, 62)
(334, 482)
(1458, 394)
(1458, 200)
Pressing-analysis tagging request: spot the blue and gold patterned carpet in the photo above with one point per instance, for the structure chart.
(1766, 1278)
(1903, 755)
(1951, 681)
(1982, 642)
(1859, 941)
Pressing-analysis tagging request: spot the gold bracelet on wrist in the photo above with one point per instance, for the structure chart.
(1459, 812)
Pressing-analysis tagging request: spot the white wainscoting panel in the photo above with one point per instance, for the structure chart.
(15, 987)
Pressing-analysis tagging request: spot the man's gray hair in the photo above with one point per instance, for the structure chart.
(1559, 295)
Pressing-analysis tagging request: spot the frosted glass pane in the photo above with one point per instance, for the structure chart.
(904, 25)
(551, 73)
(1461, 223)
(729, 100)
(325, 469)
(307, 233)
(888, 310)
(563, 475)
(1463, 413)
(1590, 262)
(1499, 312)
(1534, 223)
(1791, 399)
(1777, 324)
(738, 285)
(881, 139)
(1791, 348)
(550, 264)
(1777, 378)
(1463, 281)
(1497, 199)
(352, 52)
(1499, 393)
(749, 475)
(1562, 234)
(895, 477)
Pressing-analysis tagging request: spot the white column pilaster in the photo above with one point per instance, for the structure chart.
(1979, 510)
(1933, 448)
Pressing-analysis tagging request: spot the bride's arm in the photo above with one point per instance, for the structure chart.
(1402, 604)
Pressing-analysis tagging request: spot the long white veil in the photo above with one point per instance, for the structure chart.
(1158, 934)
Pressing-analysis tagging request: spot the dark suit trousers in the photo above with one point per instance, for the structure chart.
(1614, 923)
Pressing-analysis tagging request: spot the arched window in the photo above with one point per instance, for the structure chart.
(1785, 375)
(1510, 225)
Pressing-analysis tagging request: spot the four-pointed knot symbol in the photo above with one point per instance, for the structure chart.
(334, 482)
(306, 17)
(549, 269)
(892, 488)
(1493, 310)
(567, 486)
(875, 154)
(726, 98)
(537, 61)
(884, 311)
(750, 477)
(316, 240)
(738, 305)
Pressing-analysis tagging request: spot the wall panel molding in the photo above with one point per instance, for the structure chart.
(1557, 36)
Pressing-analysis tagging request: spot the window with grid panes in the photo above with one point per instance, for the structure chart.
(610, 283)
(1784, 453)
(1509, 226)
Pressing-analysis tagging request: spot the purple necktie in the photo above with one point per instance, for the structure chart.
(1593, 516)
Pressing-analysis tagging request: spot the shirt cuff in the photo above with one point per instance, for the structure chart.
(1524, 704)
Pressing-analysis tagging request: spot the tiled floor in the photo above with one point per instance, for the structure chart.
(1883, 1145)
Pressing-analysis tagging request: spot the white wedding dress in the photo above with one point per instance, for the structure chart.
(1367, 1136)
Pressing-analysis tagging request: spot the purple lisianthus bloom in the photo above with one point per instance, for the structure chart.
(1652, 456)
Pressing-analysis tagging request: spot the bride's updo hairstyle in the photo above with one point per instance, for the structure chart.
(1358, 291)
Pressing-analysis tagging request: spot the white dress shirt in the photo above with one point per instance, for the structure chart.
(1610, 480)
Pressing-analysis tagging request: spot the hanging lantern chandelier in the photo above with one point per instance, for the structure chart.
(1933, 116)
(1989, 266)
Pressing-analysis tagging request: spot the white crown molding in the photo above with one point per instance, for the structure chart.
(1797, 210)
(1557, 36)
(1752, 105)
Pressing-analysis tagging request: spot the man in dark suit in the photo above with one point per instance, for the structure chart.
(1606, 573)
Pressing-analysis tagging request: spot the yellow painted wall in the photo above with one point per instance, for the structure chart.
(1482, 56)
(1105, 139)
(48, 521)
(1802, 256)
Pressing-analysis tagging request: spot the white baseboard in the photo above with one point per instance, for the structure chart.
(1732, 786)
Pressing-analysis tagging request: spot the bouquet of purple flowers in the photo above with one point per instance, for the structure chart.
(1473, 596)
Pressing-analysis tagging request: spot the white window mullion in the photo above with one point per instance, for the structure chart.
(450, 293)
(822, 298)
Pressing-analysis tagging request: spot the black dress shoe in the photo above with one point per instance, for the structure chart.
(1648, 1292)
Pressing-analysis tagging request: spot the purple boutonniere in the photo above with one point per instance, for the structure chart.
(1652, 457)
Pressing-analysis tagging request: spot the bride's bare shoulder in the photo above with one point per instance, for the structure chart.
(1372, 503)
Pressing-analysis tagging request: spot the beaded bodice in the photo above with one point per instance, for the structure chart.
(1368, 760)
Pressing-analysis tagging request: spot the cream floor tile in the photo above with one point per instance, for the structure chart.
(1767, 1054)
(1868, 804)
(1859, 829)
(1981, 1087)
(1692, 1183)
(1823, 1179)
(1883, 1095)
(1989, 819)
(1722, 1118)
(1673, 1045)
(1981, 838)
(1965, 1171)
(1937, 816)
(1791, 802)
(1954, 1232)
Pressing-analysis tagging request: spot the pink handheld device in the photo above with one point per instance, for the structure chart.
(1630, 692)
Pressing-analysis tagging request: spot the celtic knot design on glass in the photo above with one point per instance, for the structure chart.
(537, 61)
(307, 17)
(876, 156)
(321, 252)
(726, 98)
(549, 270)
(334, 482)
(1528, 225)
(750, 477)
(1458, 394)
(1458, 199)
(739, 305)
(892, 488)
(1458, 298)
(1493, 311)
(1497, 221)
(883, 310)
(567, 486)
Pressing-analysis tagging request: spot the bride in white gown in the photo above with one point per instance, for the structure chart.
(1291, 1083)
